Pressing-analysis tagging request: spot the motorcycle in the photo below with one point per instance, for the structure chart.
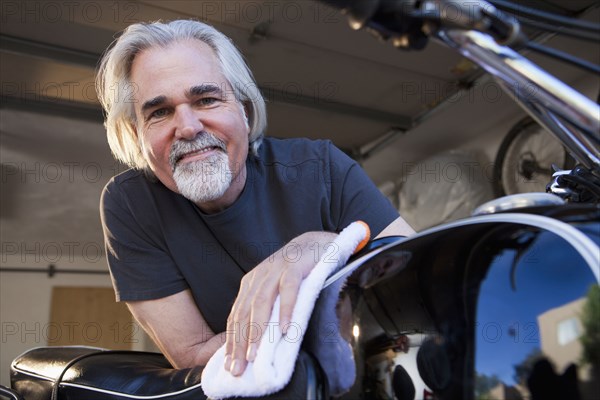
(504, 304)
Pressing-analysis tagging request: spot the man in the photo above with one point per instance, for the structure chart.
(210, 209)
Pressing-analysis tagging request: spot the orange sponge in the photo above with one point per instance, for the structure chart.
(363, 242)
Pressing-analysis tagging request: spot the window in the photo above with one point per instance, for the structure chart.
(568, 330)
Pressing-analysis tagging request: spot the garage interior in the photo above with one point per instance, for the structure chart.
(425, 125)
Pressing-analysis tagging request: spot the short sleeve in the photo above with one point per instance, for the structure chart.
(140, 267)
(355, 196)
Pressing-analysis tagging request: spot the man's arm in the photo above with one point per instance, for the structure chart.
(178, 329)
(183, 336)
(281, 274)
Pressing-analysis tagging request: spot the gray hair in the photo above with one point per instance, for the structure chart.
(115, 90)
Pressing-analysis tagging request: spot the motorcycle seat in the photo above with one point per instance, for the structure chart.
(80, 372)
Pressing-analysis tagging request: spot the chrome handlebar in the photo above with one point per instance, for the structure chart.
(570, 116)
(483, 34)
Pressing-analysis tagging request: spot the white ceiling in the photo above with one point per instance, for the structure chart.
(321, 80)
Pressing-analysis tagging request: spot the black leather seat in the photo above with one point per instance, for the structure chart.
(77, 372)
(9, 394)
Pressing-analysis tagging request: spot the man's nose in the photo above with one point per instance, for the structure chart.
(188, 123)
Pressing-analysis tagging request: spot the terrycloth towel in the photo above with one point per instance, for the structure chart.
(276, 356)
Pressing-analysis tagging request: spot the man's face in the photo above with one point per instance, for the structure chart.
(193, 131)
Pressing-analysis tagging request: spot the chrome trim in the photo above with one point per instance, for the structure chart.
(589, 251)
(516, 201)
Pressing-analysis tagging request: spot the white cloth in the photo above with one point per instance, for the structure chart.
(276, 356)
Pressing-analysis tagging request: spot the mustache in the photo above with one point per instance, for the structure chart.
(203, 140)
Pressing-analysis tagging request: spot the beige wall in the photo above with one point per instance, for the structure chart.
(25, 300)
(561, 355)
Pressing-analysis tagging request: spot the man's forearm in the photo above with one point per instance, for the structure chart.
(178, 328)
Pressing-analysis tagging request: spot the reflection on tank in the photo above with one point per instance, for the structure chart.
(542, 340)
(513, 315)
(569, 352)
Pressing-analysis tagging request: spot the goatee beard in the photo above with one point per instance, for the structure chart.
(204, 180)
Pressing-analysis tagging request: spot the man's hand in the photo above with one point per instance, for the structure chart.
(281, 274)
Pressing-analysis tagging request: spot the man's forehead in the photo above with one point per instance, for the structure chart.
(188, 67)
(178, 50)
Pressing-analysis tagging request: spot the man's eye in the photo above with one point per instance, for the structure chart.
(161, 112)
(207, 101)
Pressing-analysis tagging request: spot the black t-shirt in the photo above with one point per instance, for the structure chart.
(159, 243)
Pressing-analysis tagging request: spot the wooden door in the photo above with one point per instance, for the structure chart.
(89, 316)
